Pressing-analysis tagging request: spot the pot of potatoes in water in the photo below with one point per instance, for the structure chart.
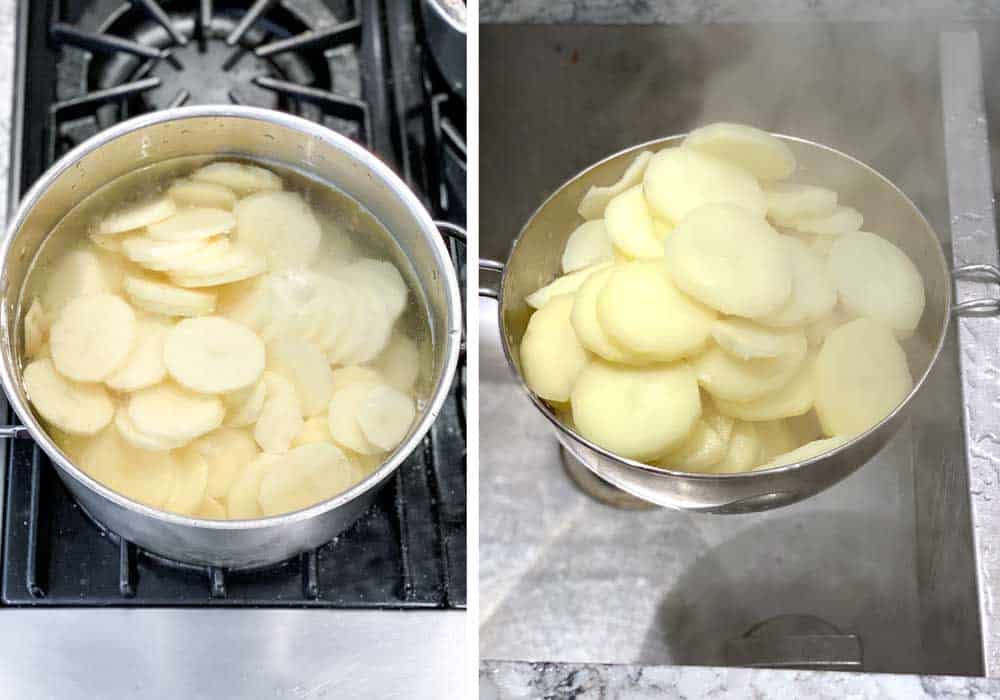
(726, 321)
(226, 354)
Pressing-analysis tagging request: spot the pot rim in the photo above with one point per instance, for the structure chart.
(782, 470)
(10, 376)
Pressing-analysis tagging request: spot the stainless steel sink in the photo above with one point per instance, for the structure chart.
(887, 554)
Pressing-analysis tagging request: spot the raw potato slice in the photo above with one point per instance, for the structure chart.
(384, 278)
(593, 204)
(166, 299)
(146, 477)
(793, 399)
(680, 180)
(400, 363)
(701, 449)
(112, 244)
(137, 438)
(144, 365)
(247, 302)
(822, 245)
(589, 330)
(745, 340)
(192, 224)
(243, 407)
(567, 284)
(876, 279)
(551, 354)
(78, 273)
(36, 328)
(281, 416)
(345, 428)
(813, 293)
(193, 193)
(723, 425)
(776, 437)
(279, 226)
(630, 225)
(332, 312)
(240, 177)
(842, 220)
(190, 480)
(159, 255)
(210, 509)
(385, 416)
(744, 450)
(242, 500)
(662, 229)
(167, 411)
(306, 476)
(371, 338)
(213, 355)
(227, 260)
(207, 251)
(765, 156)
(225, 452)
(787, 201)
(137, 216)
(316, 429)
(730, 260)
(352, 374)
(727, 378)
(307, 369)
(251, 266)
(588, 245)
(78, 409)
(92, 337)
(861, 376)
(638, 413)
(641, 310)
(817, 332)
(807, 451)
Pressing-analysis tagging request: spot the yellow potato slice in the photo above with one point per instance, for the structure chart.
(843, 220)
(145, 477)
(372, 335)
(242, 500)
(813, 292)
(352, 374)
(78, 273)
(861, 376)
(822, 245)
(144, 365)
(776, 438)
(137, 438)
(567, 284)
(639, 413)
(629, 224)
(399, 364)
(281, 416)
(662, 229)
(788, 201)
(160, 255)
(243, 407)
(213, 355)
(225, 451)
(239, 177)
(876, 279)
(36, 328)
(210, 509)
(345, 409)
(306, 367)
(587, 327)
(680, 180)
(248, 302)
(728, 259)
(190, 480)
(722, 425)
(330, 315)
(170, 412)
(280, 227)
(92, 337)
(817, 332)
(192, 224)
(136, 216)
(78, 409)
(746, 340)
(725, 377)
(744, 450)
(589, 244)
(166, 299)
(594, 203)
(316, 429)
(793, 399)
(385, 416)
(551, 354)
(641, 310)
(111, 244)
(193, 193)
(701, 449)
(305, 476)
(232, 264)
(761, 154)
(383, 278)
(807, 451)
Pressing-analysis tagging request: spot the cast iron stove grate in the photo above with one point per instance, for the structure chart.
(83, 66)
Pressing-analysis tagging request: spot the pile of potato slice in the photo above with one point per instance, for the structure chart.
(204, 353)
(715, 318)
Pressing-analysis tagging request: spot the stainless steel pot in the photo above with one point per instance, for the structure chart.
(535, 260)
(269, 136)
(444, 28)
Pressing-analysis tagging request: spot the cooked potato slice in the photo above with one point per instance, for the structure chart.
(144, 365)
(137, 216)
(680, 180)
(137, 438)
(167, 411)
(239, 177)
(596, 200)
(761, 154)
(307, 369)
(243, 407)
(352, 374)
(372, 336)
(588, 245)
(813, 292)
(111, 244)
(78, 273)
(587, 327)
(662, 229)
(242, 500)
(162, 298)
(235, 264)
(192, 225)
(551, 354)
(36, 328)
(315, 429)
(567, 284)
(280, 417)
(385, 416)
(641, 310)
(225, 451)
(807, 451)
(210, 509)
(746, 340)
(344, 410)
(305, 476)
(788, 201)
(743, 453)
(842, 220)
(92, 337)
(190, 480)
(399, 363)
(78, 409)
(861, 376)
(725, 377)
(160, 255)
(701, 449)
(638, 413)
(776, 438)
(194, 193)
(722, 425)
(213, 355)
(793, 399)
(730, 260)
(822, 245)
(383, 278)
(817, 332)
(248, 302)
(876, 279)
(279, 226)
(145, 477)
(630, 225)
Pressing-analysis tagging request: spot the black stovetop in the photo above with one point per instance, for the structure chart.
(360, 69)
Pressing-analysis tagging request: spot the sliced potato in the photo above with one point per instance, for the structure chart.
(701, 449)
(567, 284)
(194, 193)
(36, 328)
(776, 438)
(761, 154)
(78, 409)
(400, 362)
(280, 417)
(315, 429)
(744, 450)
(876, 279)
(279, 226)
(638, 413)
(167, 411)
(92, 337)
(384, 278)
(640, 309)
(242, 500)
(345, 428)
(372, 336)
(807, 451)
(305, 476)
(843, 220)
(78, 273)
(136, 216)
(680, 180)
(730, 260)
(385, 416)
(243, 407)
(135, 437)
(248, 302)
(159, 255)
(787, 201)
(861, 376)
(237, 263)
(589, 244)
(662, 229)
(746, 340)
(589, 330)
(145, 477)
(593, 204)
(629, 224)
(144, 365)
(225, 451)
(352, 374)
(192, 225)
(242, 178)
(307, 369)
(213, 355)
(793, 399)
(111, 244)
(723, 425)
(813, 292)
(210, 509)
(162, 298)
(725, 377)
(551, 354)
(817, 332)
(190, 480)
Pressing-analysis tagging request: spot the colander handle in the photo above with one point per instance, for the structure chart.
(487, 265)
(984, 306)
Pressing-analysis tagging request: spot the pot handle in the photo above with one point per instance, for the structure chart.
(456, 238)
(983, 306)
(490, 291)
